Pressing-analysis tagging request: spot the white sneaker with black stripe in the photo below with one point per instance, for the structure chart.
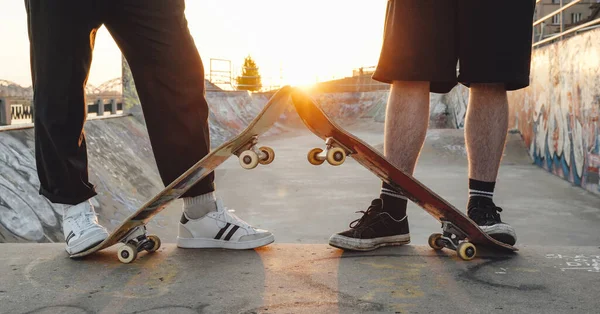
(81, 228)
(220, 229)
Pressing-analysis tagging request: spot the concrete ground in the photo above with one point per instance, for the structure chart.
(557, 269)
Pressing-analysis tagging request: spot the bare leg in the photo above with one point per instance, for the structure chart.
(406, 122)
(486, 126)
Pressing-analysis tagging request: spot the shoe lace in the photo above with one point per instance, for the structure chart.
(227, 215)
(85, 219)
(487, 213)
(368, 215)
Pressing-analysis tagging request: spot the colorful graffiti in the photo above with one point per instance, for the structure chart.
(558, 114)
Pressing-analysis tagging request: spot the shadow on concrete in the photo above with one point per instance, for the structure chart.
(185, 281)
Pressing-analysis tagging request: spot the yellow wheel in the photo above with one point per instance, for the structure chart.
(466, 251)
(435, 241)
(312, 156)
(156, 240)
(336, 156)
(127, 253)
(248, 159)
(270, 155)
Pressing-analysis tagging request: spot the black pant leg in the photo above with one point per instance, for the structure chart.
(169, 77)
(61, 39)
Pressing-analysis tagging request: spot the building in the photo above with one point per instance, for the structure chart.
(579, 13)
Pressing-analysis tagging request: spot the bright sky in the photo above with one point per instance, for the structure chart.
(302, 40)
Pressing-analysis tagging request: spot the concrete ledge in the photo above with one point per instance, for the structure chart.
(23, 126)
(299, 278)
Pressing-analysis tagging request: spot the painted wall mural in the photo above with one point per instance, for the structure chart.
(558, 114)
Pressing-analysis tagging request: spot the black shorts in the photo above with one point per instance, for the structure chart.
(424, 39)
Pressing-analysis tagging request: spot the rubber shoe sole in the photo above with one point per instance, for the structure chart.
(87, 243)
(501, 232)
(347, 243)
(205, 243)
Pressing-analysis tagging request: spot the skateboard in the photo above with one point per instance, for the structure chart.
(132, 231)
(459, 232)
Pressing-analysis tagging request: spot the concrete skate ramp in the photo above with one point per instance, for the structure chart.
(231, 112)
(123, 168)
(121, 164)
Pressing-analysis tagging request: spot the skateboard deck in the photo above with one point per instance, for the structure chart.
(132, 231)
(459, 232)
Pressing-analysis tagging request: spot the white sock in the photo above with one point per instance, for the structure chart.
(69, 208)
(198, 206)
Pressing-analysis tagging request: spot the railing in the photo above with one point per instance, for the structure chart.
(584, 16)
(14, 111)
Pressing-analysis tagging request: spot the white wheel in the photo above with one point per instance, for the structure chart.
(156, 241)
(270, 155)
(248, 159)
(466, 251)
(127, 253)
(336, 156)
(435, 241)
(312, 156)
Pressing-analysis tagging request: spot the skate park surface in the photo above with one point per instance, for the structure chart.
(556, 269)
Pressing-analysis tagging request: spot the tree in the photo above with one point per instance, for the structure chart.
(250, 78)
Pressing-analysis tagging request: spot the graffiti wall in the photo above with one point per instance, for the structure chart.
(558, 114)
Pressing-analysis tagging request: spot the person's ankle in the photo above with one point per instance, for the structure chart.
(197, 206)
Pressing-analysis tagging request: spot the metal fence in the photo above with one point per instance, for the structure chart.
(555, 20)
(13, 111)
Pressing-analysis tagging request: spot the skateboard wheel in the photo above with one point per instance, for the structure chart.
(435, 241)
(312, 156)
(127, 253)
(248, 159)
(270, 155)
(466, 251)
(336, 156)
(156, 240)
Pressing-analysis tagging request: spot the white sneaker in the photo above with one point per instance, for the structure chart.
(220, 229)
(81, 228)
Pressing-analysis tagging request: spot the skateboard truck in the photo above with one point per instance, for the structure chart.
(250, 156)
(453, 238)
(136, 241)
(334, 153)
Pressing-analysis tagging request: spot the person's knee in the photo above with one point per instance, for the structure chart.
(489, 88)
(411, 85)
(488, 96)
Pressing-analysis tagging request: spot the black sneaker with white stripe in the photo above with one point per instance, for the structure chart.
(220, 229)
(376, 228)
(487, 216)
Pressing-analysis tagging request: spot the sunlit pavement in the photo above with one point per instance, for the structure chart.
(556, 269)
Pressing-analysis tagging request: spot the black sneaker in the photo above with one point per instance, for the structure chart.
(488, 219)
(374, 229)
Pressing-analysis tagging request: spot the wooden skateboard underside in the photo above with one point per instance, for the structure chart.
(322, 126)
(244, 141)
